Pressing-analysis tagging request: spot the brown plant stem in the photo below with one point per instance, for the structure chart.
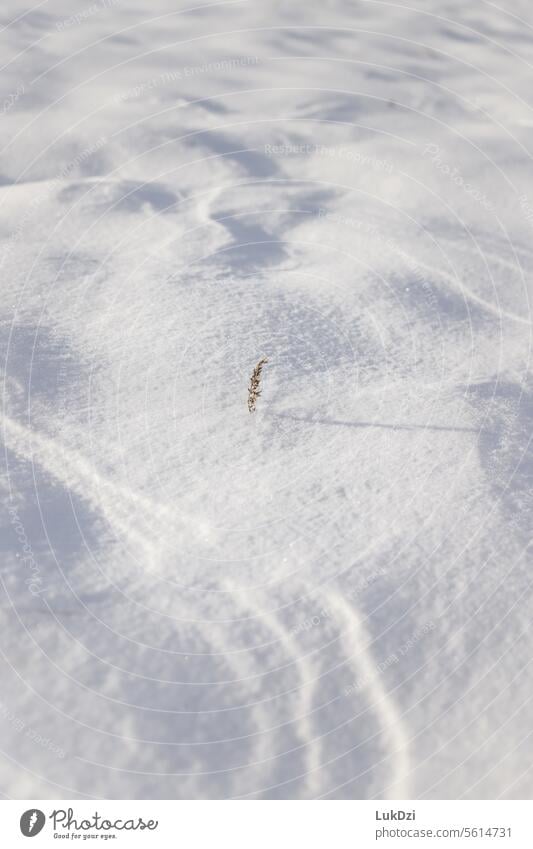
(253, 390)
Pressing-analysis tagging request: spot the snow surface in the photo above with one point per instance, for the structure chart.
(330, 597)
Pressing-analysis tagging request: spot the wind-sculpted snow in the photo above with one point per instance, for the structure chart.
(330, 598)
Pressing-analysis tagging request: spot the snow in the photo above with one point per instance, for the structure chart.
(329, 597)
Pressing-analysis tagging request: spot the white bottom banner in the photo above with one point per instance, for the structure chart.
(268, 824)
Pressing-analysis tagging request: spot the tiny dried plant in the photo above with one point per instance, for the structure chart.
(255, 381)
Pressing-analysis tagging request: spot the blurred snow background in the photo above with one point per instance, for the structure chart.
(331, 598)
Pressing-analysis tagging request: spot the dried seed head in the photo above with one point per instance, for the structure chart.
(253, 389)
